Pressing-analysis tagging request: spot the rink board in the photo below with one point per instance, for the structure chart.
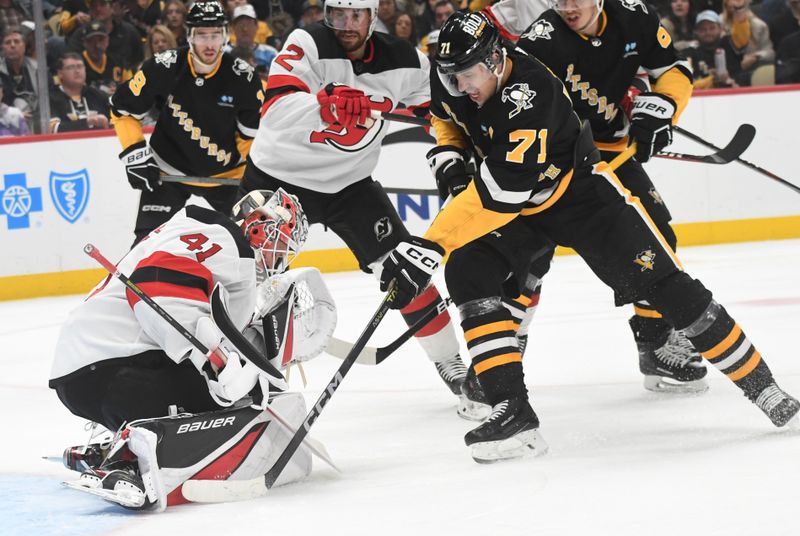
(59, 192)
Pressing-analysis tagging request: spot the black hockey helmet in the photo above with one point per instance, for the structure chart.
(466, 39)
(206, 14)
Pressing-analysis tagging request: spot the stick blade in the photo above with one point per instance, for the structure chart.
(739, 143)
(217, 491)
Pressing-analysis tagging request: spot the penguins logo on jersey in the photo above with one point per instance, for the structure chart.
(646, 259)
(167, 58)
(633, 4)
(241, 67)
(520, 96)
(541, 29)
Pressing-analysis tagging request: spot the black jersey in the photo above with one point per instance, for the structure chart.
(525, 134)
(597, 71)
(200, 116)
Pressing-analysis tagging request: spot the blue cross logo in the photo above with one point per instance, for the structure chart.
(17, 201)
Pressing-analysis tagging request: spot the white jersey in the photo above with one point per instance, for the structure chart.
(513, 17)
(178, 266)
(294, 145)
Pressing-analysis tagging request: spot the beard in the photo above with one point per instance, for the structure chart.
(350, 41)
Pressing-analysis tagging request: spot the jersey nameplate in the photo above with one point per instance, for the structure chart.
(589, 94)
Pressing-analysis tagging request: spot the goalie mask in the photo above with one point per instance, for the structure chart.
(469, 53)
(275, 226)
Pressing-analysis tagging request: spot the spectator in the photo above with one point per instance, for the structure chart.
(12, 14)
(750, 37)
(786, 21)
(404, 28)
(159, 39)
(430, 19)
(73, 104)
(387, 13)
(263, 31)
(22, 72)
(12, 120)
(679, 22)
(710, 39)
(312, 12)
(124, 41)
(442, 10)
(141, 14)
(75, 13)
(245, 26)
(103, 71)
(175, 20)
(787, 68)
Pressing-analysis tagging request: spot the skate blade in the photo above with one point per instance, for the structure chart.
(126, 499)
(658, 384)
(522, 445)
(471, 410)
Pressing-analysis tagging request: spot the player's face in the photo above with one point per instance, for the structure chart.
(351, 26)
(207, 43)
(477, 82)
(577, 14)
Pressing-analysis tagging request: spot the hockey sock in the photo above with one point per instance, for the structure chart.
(523, 307)
(438, 337)
(723, 343)
(490, 333)
(647, 324)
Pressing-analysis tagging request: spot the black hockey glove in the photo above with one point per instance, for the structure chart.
(411, 265)
(141, 167)
(651, 124)
(449, 168)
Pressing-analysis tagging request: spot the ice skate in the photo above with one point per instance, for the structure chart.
(453, 373)
(472, 403)
(511, 431)
(672, 366)
(119, 486)
(781, 408)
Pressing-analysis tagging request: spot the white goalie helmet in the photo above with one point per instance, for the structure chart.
(336, 20)
(275, 226)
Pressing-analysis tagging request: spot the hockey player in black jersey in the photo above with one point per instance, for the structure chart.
(542, 182)
(596, 49)
(209, 105)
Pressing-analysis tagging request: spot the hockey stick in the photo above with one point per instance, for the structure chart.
(233, 490)
(739, 143)
(374, 356)
(314, 446)
(742, 161)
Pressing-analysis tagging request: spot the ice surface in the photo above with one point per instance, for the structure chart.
(622, 461)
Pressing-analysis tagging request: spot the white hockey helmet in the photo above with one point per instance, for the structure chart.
(335, 23)
(275, 226)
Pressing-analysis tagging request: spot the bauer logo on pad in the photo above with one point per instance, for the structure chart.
(70, 193)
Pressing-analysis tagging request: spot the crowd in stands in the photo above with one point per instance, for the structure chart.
(94, 45)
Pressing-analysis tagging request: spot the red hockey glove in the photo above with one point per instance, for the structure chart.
(343, 105)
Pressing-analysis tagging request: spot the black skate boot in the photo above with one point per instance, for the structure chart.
(779, 406)
(668, 360)
(511, 431)
(121, 485)
(473, 404)
(453, 372)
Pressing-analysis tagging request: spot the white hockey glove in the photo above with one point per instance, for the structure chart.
(411, 265)
(237, 376)
(449, 168)
(651, 124)
(141, 166)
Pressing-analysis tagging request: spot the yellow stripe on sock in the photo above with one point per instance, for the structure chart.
(647, 313)
(486, 329)
(496, 361)
(724, 344)
(747, 368)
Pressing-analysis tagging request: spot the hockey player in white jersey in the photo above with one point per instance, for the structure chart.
(317, 140)
(179, 413)
(512, 17)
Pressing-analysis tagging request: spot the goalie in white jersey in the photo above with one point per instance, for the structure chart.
(317, 140)
(117, 361)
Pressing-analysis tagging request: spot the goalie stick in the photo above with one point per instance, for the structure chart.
(235, 490)
(241, 342)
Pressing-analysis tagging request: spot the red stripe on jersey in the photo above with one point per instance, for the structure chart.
(165, 290)
(167, 275)
(271, 101)
(162, 259)
(423, 300)
(435, 325)
(282, 80)
(288, 345)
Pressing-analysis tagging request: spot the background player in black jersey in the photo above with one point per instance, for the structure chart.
(542, 180)
(208, 105)
(596, 48)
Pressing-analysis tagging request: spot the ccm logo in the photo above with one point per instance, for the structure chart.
(426, 261)
(156, 208)
(205, 425)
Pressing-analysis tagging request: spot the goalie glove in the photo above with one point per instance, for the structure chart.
(449, 168)
(411, 266)
(651, 124)
(141, 167)
(343, 105)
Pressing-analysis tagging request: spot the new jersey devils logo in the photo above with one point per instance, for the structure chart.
(354, 139)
